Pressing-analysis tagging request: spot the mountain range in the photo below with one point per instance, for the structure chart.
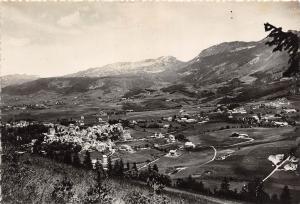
(227, 70)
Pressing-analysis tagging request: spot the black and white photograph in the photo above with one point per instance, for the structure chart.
(150, 102)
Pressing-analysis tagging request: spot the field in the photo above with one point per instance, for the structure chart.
(245, 157)
(235, 158)
(222, 138)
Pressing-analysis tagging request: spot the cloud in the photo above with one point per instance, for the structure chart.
(70, 20)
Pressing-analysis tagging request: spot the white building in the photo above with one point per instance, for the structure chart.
(171, 138)
(51, 131)
(191, 120)
(126, 135)
(289, 110)
(104, 160)
(281, 124)
(189, 145)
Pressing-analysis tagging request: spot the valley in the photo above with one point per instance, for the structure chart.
(219, 125)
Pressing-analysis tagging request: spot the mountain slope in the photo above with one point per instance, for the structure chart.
(71, 85)
(15, 79)
(246, 61)
(148, 66)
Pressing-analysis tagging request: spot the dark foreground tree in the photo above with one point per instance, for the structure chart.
(155, 167)
(87, 163)
(76, 160)
(285, 196)
(285, 41)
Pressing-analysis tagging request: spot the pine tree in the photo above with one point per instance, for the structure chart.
(121, 168)
(225, 187)
(67, 157)
(116, 168)
(274, 198)
(100, 170)
(87, 161)
(109, 166)
(134, 167)
(261, 195)
(285, 196)
(76, 160)
(127, 166)
(149, 168)
(155, 167)
(287, 41)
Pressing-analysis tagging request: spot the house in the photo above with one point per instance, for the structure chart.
(289, 110)
(126, 148)
(239, 135)
(184, 119)
(189, 145)
(101, 146)
(243, 135)
(166, 126)
(290, 167)
(239, 110)
(104, 160)
(271, 117)
(255, 117)
(276, 159)
(94, 161)
(160, 135)
(171, 138)
(51, 131)
(191, 120)
(280, 124)
(172, 153)
(126, 135)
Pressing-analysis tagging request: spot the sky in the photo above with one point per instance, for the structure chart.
(54, 39)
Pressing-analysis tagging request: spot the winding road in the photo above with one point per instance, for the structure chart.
(212, 159)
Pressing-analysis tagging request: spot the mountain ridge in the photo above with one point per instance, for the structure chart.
(229, 69)
(150, 66)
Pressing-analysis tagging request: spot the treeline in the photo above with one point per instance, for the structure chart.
(117, 169)
(253, 191)
(22, 135)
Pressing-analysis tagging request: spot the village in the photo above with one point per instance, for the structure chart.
(142, 141)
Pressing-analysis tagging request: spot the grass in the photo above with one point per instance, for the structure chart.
(222, 137)
(33, 179)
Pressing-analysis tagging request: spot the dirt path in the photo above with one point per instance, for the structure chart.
(212, 159)
(212, 200)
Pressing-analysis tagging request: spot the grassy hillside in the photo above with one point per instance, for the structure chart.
(33, 179)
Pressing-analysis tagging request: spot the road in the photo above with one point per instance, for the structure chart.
(148, 164)
(212, 159)
(276, 168)
(207, 162)
(248, 140)
(206, 199)
(202, 198)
